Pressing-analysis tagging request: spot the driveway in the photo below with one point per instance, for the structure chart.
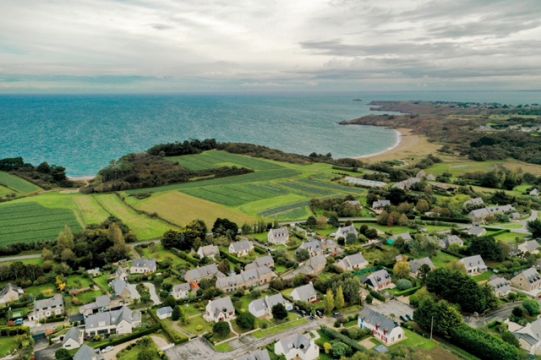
(153, 294)
(19, 257)
(500, 314)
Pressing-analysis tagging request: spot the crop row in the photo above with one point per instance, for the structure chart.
(283, 209)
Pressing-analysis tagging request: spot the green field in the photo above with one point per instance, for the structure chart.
(25, 222)
(16, 184)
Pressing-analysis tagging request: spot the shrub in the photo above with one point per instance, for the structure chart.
(403, 284)
(245, 321)
(531, 306)
(221, 329)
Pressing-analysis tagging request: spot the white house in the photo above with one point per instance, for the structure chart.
(278, 236)
(143, 266)
(383, 328)
(73, 339)
(500, 285)
(344, 231)
(529, 337)
(379, 280)
(121, 321)
(352, 262)
(241, 248)
(297, 347)
(181, 291)
(47, 308)
(220, 309)
(474, 264)
(305, 293)
(164, 312)
(10, 293)
(263, 307)
(208, 251)
(479, 215)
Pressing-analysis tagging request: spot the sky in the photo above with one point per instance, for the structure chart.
(268, 45)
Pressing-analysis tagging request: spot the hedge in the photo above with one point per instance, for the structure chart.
(184, 256)
(14, 330)
(461, 220)
(343, 338)
(376, 295)
(121, 340)
(483, 345)
(407, 292)
(232, 258)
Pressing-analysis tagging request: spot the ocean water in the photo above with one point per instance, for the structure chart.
(85, 132)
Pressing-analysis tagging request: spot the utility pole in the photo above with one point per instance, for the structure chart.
(431, 326)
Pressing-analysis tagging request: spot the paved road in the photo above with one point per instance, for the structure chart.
(19, 257)
(524, 223)
(199, 349)
(500, 314)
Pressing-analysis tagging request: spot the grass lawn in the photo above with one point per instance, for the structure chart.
(160, 254)
(190, 310)
(510, 237)
(46, 290)
(132, 353)
(89, 296)
(196, 326)
(277, 329)
(416, 341)
(443, 259)
(483, 277)
(224, 347)
(8, 344)
(78, 282)
(102, 281)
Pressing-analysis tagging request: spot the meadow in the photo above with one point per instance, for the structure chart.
(16, 184)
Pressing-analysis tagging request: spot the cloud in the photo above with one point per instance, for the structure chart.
(164, 45)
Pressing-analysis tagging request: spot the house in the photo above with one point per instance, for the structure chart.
(85, 352)
(379, 205)
(194, 276)
(121, 274)
(263, 307)
(408, 183)
(500, 285)
(474, 203)
(256, 355)
(278, 236)
(344, 231)
(297, 347)
(10, 293)
(123, 290)
(181, 291)
(474, 264)
(529, 337)
(313, 266)
(47, 308)
(379, 280)
(248, 278)
(451, 240)
(415, 265)
(352, 262)
(531, 247)
(121, 321)
(476, 231)
(479, 215)
(305, 293)
(220, 309)
(241, 248)
(267, 261)
(208, 251)
(164, 312)
(534, 192)
(143, 266)
(528, 280)
(102, 303)
(94, 272)
(313, 247)
(383, 327)
(73, 339)
(371, 184)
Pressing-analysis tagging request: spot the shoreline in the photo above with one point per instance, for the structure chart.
(396, 144)
(81, 178)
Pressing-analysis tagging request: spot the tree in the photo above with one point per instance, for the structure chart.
(62, 354)
(534, 227)
(401, 269)
(302, 255)
(225, 227)
(279, 312)
(65, 239)
(339, 349)
(176, 313)
(221, 329)
(487, 247)
(47, 254)
(245, 321)
(438, 315)
(223, 266)
(329, 301)
(117, 237)
(340, 302)
(423, 272)
(422, 206)
(146, 354)
(67, 255)
(531, 306)
(327, 347)
(403, 220)
(60, 283)
(311, 221)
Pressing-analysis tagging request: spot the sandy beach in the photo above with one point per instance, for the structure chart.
(407, 147)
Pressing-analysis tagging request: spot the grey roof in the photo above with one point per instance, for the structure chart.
(305, 292)
(529, 246)
(314, 265)
(364, 182)
(376, 318)
(10, 287)
(531, 275)
(209, 250)
(473, 261)
(112, 317)
(381, 204)
(145, 263)
(499, 284)
(55, 301)
(242, 245)
(164, 310)
(531, 333)
(221, 305)
(85, 352)
(256, 355)
(278, 234)
(345, 230)
(267, 302)
(247, 276)
(181, 287)
(313, 245)
(202, 272)
(487, 211)
(474, 202)
(267, 261)
(73, 334)
(476, 230)
(351, 261)
(378, 277)
(119, 286)
(103, 301)
(416, 264)
(296, 341)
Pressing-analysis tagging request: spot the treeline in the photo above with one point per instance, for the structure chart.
(141, 170)
(43, 175)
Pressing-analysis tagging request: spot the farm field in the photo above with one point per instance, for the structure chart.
(90, 210)
(456, 166)
(143, 226)
(17, 184)
(216, 158)
(25, 222)
(5, 191)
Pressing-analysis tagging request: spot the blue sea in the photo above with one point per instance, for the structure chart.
(85, 132)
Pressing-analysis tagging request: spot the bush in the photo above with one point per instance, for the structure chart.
(279, 312)
(403, 284)
(245, 321)
(62, 354)
(531, 306)
(221, 329)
